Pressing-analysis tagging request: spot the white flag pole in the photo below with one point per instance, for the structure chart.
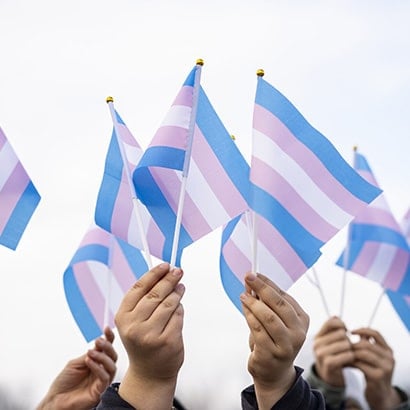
(185, 171)
(136, 204)
(318, 286)
(376, 307)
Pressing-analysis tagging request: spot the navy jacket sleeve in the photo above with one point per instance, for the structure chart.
(299, 397)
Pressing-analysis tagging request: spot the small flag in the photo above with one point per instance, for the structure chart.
(191, 154)
(377, 248)
(18, 196)
(302, 193)
(116, 202)
(100, 273)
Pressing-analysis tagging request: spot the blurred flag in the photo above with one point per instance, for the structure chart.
(18, 196)
(191, 169)
(377, 248)
(100, 273)
(117, 207)
(302, 193)
(400, 301)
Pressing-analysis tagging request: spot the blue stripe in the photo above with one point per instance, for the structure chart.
(20, 217)
(190, 80)
(377, 233)
(118, 118)
(134, 257)
(165, 157)
(92, 252)
(110, 186)
(401, 307)
(152, 197)
(405, 284)
(354, 251)
(360, 163)
(222, 145)
(303, 243)
(79, 309)
(271, 99)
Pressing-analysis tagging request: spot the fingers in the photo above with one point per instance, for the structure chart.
(331, 325)
(101, 364)
(109, 334)
(285, 307)
(143, 286)
(371, 335)
(106, 347)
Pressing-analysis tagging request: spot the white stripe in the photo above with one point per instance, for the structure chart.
(240, 237)
(270, 267)
(268, 151)
(204, 197)
(100, 274)
(132, 153)
(382, 261)
(380, 203)
(177, 116)
(8, 161)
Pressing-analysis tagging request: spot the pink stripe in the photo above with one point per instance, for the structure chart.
(216, 177)
(90, 291)
(170, 136)
(272, 182)
(12, 192)
(274, 242)
(185, 96)
(397, 270)
(3, 139)
(365, 259)
(273, 128)
(377, 216)
(95, 236)
(126, 135)
(236, 260)
(121, 269)
(368, 176)
(192, 219)
(122, 212)
(156, 239)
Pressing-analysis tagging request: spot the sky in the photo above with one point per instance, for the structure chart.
(344, 64)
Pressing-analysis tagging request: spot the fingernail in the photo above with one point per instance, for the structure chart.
(177, 272)
(243, 296)
(250, 276)
(163, 265)
(180, 288)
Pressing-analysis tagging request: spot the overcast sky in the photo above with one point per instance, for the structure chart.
(344, 64)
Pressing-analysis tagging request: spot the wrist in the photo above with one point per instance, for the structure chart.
(145, 393)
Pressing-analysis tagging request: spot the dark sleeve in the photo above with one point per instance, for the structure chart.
(299, 397)
(111, 400)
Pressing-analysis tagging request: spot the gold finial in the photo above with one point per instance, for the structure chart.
(355, 148)
(233, 137)
(260, 72)
(109, 99)
(199, 61)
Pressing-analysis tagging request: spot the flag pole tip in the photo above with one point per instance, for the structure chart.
(355, 148)
(260, 72)
(109, 99)
(233, 138)
(199, 61)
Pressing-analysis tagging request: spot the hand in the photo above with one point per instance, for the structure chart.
(278, 327)
(150, 321)
(83, 380)
(374, 358)
(333, 351)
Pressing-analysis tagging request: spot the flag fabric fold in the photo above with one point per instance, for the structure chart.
(192, 146)
(18, 196)
(302, 192)
(116, 202)
(101, 271)
(377, 247)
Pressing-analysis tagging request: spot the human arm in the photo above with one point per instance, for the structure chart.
(82, 381)
(374, 357)
(278, 327)
(149, 322)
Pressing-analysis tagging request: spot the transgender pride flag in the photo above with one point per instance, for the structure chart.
(193, 170)
(100, 273)
(377, 248)
(117, 209)
(302, 193)
(18, 196)
(400, 301)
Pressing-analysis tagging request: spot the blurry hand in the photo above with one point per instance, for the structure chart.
(333, 351)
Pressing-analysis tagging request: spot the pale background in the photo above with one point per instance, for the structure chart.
(344, 64)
